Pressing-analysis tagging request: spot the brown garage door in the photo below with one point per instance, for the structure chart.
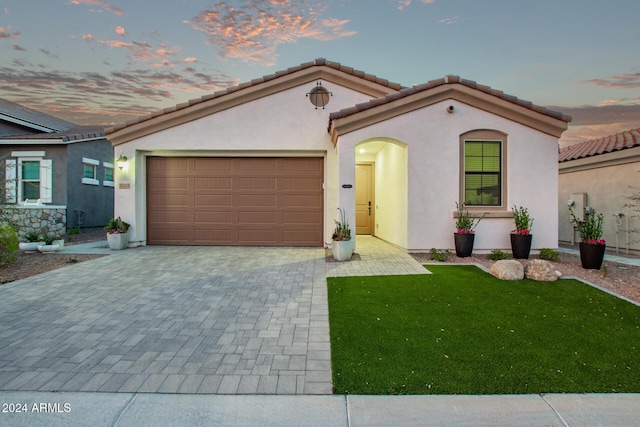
(235, 201)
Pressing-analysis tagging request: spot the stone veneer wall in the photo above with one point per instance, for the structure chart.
(42, 219)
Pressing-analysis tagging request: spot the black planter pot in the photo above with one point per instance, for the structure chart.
(591, 256)
(464, 244)
(521, 245)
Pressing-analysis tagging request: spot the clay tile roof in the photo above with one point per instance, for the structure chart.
(452, 80)
(606, 144)
(254, 82)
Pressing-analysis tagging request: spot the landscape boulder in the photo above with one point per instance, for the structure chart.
(507, 269)
(541, 270)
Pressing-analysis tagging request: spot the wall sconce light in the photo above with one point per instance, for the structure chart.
(121, 161)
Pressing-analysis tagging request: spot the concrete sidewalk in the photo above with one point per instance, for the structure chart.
(127, 409)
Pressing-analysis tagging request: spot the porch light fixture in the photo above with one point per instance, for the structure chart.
(319, 96)
(121, 161)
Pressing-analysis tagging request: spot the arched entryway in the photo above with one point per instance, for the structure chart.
(381, 189)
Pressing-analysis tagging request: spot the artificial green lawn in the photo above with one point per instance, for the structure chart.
(462, 331)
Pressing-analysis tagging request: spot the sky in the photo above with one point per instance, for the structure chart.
(103, 62)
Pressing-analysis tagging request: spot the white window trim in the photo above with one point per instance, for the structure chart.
(90, 181)
(46, 176)
(95, 164)
(90, 161)
(106, 182)
(28, 154)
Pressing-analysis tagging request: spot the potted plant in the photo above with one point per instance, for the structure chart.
(117, 233)
(592, 246)
(521, 236)
(341, 244)
(32, 242)
(47, 244)
(465, 231)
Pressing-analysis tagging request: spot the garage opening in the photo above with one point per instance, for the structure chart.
(239, 201)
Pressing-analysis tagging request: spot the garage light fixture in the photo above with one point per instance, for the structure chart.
(121, 161)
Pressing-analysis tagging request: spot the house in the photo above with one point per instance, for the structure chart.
(602, 173)
(270, 161)
(55, 173)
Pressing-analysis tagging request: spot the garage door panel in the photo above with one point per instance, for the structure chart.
(301, 184)
(257, 217)
(257, 183)
(171, 183)
(253, 236)
(256, 165)
(257, 200)
(217, 200)
(305, 218)
(235, 201)
(169, 216)
(213, 217)
(205, 236)
(306, 166)
(168, 200)
(212, 183)
(209, 164)
(310, 202)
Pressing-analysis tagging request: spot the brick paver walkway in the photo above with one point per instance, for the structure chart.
(171, 320)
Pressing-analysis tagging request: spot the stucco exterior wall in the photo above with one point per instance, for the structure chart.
(391, 194)
(95, 200)
(282, 124)
(607, 181)
(432, 138)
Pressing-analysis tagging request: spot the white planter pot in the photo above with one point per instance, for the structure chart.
(118, 241)
(29, 247)
(342, 250)
(48, 248)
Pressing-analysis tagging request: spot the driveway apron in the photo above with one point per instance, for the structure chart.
(219, 320)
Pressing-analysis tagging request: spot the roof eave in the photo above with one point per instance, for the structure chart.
(239, 95)
(537, 120)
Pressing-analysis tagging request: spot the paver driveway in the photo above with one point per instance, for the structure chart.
(221, 320)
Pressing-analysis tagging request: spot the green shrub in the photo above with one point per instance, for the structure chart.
(9, 243)
(497, 255)
(439, 255)
(549, 254)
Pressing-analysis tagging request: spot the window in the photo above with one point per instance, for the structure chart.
(29, 176)
(108, 175)
(30, 181)
(483, 169)
(89, 173)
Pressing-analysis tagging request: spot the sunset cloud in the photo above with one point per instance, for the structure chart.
(99, 3)
(253, 33)
(7, 34)
(17, 47)
(622, 81)
(120, 31)
(106, 98)
(140, 50)
(449, 21)
(404, 3)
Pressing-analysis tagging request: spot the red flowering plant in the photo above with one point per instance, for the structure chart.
(465, 223)
(523, 221)
(590, 227)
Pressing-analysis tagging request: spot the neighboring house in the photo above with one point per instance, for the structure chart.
(602, 173)
(54, 169)
(270, 161)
